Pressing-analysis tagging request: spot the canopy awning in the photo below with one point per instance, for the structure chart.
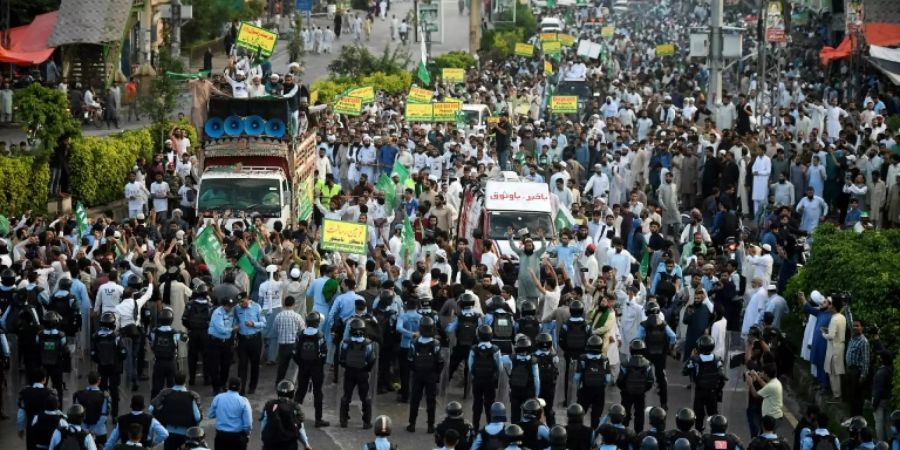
(28, 43)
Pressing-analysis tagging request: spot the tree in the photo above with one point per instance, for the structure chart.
(163, 90)
(210, 17)
(44, 115)
(356, 61)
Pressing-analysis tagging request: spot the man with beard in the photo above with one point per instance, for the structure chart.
(529, 260)
(711, 170)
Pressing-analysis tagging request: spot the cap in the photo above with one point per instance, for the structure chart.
(295, 273)
(817, 297)
(772, 288)
(271, 268)
(228, 301)
(767, 247)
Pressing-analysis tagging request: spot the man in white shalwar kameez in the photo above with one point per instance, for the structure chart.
(833, 115)
(753, 313)
(317, 37)
(327, 40)
(761, 169)
(632, 316)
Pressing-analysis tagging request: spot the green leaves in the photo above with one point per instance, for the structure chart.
(99, 166)
(44, 111)
(26, 182)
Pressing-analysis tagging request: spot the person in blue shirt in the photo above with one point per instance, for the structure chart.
(408, 327)
(493, 435)
(95, 408)
(485, 363)
(177, 409)
(427, 364)
(591, 377)
(251, 322)
(309, 354)
(524, 377)
(386, 308)
(343, 307)
(284, 407)
(383, 430)
(153, 431)
(464, 327)
(221, 343)
(74, 425)
(565, 253)
(660, 338)
(234, 418)
(535, 433)
(854, 214)
(810, 436)
(357, 357)
(386, 157)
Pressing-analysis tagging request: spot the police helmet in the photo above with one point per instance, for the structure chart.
(544, 341)
(528, 308)
(108, 320)
(285, 388)
(135, 282)
(523, 344)
(531, 409)
(166, 316)
(357, 327)
(467, 300)
(895, 419)
(616, 413)
(496, 302)
(594, 344)
(685, 418)
(718, 423)
(65, 284)
(657, 417)
(558, 437)
(649, 443)
(637, 347)
(514, 434)
(195, 436)
(484, 333)
(383, 426)
(454, 410)
(8, 278)
(75, 414)
(313, 319)
(498, 412)
(706, 344)
(652, 308)
(576, 309)
(52, 319)
(682, 444)
(575, 413)
(856, 424)
(202, 290)
(882, 445)
(425, 303)
(426, 327)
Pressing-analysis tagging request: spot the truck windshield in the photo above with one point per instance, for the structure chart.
(501, 221)
(240, 194)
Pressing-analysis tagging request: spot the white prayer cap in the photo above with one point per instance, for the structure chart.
(295, 273)
(817, 297)
(271, 268)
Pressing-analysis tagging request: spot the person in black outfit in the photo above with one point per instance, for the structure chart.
(54, 352)
(425, 360)
(684, 429)
(635, 379)
(95, 403)
(718, 438)
(707, 372)
(174, 409)
(286, 413)
(309, 354)
(578, 435)
(196, 319)
(657, 430)
(768, 440)
(484, 363)
(33, 399)
(164, 342)
(41, 428)
(548, 370)
(659, 338)
(455, 423)
(357, 357)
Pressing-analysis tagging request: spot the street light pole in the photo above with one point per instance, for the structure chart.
(474, 26)
(716, 59)
(176, 28)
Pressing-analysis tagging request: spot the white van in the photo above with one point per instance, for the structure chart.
(552, 25)
(476, 117)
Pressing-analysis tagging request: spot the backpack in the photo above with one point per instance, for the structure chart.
(466, 330)
(520, 375)
(308, 348)
(529, 326)
(51, 349)
(199, 316)
(71, 440)
(823, 442)
(164, 345)
(106, 350)
(576, 336)
(503, 327)
(280, 424)
(594, 373)
(426, 356)
(483, 365)
(388, 318)
(20, 320)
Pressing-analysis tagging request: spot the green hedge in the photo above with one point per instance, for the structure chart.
(867, 266)
(330, 88)
(160, 132)
(99, 166)
(26, 182)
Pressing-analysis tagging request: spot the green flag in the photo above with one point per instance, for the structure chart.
(422, 73)
(245, 264)
(386, 186)
(209, 247)
(81, 218)
(404, 175)
(186, 76)
(564, 218)
(645, 261)
(408, 241)
(4, 225)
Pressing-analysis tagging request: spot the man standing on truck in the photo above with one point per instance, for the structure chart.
(529, 260)
(502, 131)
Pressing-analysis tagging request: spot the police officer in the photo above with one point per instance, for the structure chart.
(32, 400)
(164, 342)
(500, 319)
(383, 428)
(548, 371)
(718, 437)
(109, 352)
(657, 418)
(74, 432)
(221, 343)
(153, 431)
(558, 438)
(425, 310)
(196, 320)
(591, 377)
(573, 337)
(768, 439)
(854, 427)
(54, 353)
(707, 372)
(464, 327)
(177, 409)
(578, 435)
(386, 309)
(196, 439)
(684, 429)
(357, 357)
(23, 319)
(635, 379)
(454, 421)
(528, 324)
(895, 429)
(233, 417)
(426, 362)
(41, 428)
(524, 377)
(624, 435)
(484, 363)
(95, 405)
(7, 288)
(659, 338)
(288, 431)
(67, 306)
(408, 327)
(535, 433)
(493, 435)
(251, 323)
(515, 437)
(649, 443)
(309, 354)
(608, 436)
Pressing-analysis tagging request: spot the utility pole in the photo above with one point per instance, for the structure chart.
(716, 59)
(761, 55)
(474, 26)
(176, 28)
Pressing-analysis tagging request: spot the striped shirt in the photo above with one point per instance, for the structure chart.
(288, 325)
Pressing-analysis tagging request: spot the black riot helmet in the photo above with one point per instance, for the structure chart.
(523, 344)
(575, 413)
(616, 414)
(135, 282)
(8, 278)
(594, 344)
(498, 412)
(425, 303)
(718, 423)
(514, 434)
(454, 410)
(285, 388)
(313, 319)
(544, 341)
(576, 309)
(75, 414)
(108, 320)
(649, 443)
(467, 300)
(706, 344)
(426, 327)
(682, 444)
(357, 327)
(558, 437)
(202, 290)
(52, 319)
(657, 417)
(383, 426)
(531, 409)
(485, 333)
(637, 347)
(528, 309)
(195, 437)
(166, 316)
(685, 418)
(65, 284)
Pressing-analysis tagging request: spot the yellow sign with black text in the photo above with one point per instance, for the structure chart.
(454, 75)
(564, 104)
(445, 111)
(419, 112)
(351, 106)
(526, 50)
(256, 39)
(366, 94)
(349, 237)
(419, 95)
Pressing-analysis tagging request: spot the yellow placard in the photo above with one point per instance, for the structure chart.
(454, 100)
(566, 39)
(419, 112)
(350, 237)
(607, 32)
(551, 47)
(526, 50)
(366, 94)
(454, 75)
(548, 68)
(564, 104)
(548, 37)
(419, 95)
(256, 39)
(665, 50)
(351, 106)
(313, 97)
(445, 111)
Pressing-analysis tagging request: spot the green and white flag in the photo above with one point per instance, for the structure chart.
(408, 241)
(401, 170)
(81, 218)
(209, 247)
(564, 218)
(386, 186)
(422, 72)
(4, 225)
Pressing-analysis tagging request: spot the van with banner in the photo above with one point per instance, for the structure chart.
(476, 118)
(252, 165)
(503, 203)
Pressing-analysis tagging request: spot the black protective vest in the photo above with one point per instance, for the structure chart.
(51, 347)
(308, 347)
(546, 368)
(520, 378)
(466, 327)
(40, 433)
(529, 326)
(355, 357)
(655, 338)
(708, 377)
(92, 401)
(34, 400)
(165, 347)
(143, 419)
(636, 376)
(484, 368)
(576, 337)
(530, 439)
(595, 371)
(426, 358)
(177, 409)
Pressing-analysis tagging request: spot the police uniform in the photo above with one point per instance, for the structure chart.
(464, 328)
(573, 336)
(503, 325)
(707, 374)
(221, 343)
(54, 356)
(407, 324)
(32, 401)
(164, 342)
(426, 362)
(386, 309)
(484, 370)
(196, 320)
(250, 343)
(109, 353)
(357, 357)
(457, 423)
(591, 377)
(309, 354)
(659, 337)
(69, 309)
(41, 428)
(96, 405)
(177, 409)
(524, 381)
(635, 379)
(548, 371)
(23, 319)
(721, 441)
(528, 324)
